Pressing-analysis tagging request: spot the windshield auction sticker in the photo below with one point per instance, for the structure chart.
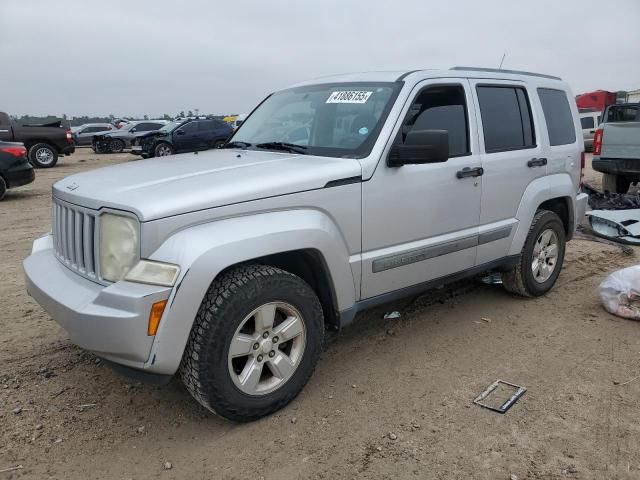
(349, 96)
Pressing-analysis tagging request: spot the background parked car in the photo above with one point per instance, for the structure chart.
(616, 147)
(589, 121)
(188, 135)
(116, 141)
(43, 142)
(15, 169)
(84, 135)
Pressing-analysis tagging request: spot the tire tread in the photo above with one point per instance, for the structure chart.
(193, 372)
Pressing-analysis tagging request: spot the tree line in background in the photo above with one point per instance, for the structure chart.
(77, 121)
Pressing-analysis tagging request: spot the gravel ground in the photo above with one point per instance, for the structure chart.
(390, 398)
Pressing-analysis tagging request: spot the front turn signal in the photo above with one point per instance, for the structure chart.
(157, 309)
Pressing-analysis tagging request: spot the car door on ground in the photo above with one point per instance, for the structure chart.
(512, 158)
(186, 137)
(420, 222)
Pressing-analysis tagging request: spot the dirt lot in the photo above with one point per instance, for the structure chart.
(390, 398)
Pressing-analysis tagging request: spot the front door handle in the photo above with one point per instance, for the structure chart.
(470, 172)
(537, 162)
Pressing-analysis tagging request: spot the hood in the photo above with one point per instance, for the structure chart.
(166, 186)
(152, 133)
(148, 133)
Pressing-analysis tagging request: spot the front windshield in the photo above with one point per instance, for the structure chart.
(338, 120)
(170, 126)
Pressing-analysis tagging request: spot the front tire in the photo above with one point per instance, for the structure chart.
(541, 258)
(43, 155)
(615, 183)
(254, 344)
(116, 145)
(163, 150)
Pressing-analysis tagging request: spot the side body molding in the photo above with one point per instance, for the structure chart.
(203, 251)
(559, 185)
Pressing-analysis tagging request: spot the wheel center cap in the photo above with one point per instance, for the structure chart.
(267, 345)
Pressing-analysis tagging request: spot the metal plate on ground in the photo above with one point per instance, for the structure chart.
(507, 395)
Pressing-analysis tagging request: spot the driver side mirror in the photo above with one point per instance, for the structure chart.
(133, 130)
(180, 132)
(420, 146)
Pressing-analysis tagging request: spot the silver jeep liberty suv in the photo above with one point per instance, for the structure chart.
(333, 196)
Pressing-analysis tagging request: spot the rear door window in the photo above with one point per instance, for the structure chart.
(506, 118)
(206, 125)
(586, 122)
(557, 115)
(623, 114)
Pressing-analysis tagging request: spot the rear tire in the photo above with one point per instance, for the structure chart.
(615, 183)
(539, 263)
(217, 368)
(43, 155)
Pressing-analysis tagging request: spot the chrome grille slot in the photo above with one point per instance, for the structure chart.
(74, 237)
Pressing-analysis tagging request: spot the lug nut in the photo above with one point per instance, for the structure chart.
(275, 339)
(256, 346)
(272, 353)
(265, 334)
(259, 358)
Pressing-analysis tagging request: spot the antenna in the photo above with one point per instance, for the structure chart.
(501, 61)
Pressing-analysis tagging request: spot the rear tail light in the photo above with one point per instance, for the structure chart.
(582, 165)
(597, 141)
(69, 136)
(15, 151)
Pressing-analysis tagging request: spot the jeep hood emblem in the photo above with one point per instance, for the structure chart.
(73, 186)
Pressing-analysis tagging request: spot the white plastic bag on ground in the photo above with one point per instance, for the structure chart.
(620, 293)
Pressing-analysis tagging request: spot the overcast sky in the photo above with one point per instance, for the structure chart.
(135, 57)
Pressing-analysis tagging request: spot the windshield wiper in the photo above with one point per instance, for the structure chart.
(243, 145)
(288, 147)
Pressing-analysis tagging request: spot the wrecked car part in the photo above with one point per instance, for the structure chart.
(586, 234)
(617, 225)
(620, 293)
(518, 392)
(611, 201)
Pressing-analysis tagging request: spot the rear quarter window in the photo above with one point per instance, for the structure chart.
(557, 116)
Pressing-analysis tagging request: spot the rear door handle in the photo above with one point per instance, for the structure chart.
(470, 172)
(537, 162)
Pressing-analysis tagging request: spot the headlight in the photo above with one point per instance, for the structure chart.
(154, 273)
(119, 246)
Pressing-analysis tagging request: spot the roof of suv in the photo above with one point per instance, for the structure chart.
(399, 75)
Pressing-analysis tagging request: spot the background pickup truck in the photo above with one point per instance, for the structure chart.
(43, 142)
(616, 147)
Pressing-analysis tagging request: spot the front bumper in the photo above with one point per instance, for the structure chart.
(108, 320)
(617, 166)
(140, 149)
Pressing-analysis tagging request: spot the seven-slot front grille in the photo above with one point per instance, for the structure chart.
(74, 238)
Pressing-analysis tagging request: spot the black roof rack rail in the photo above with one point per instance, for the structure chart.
(499, 70)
